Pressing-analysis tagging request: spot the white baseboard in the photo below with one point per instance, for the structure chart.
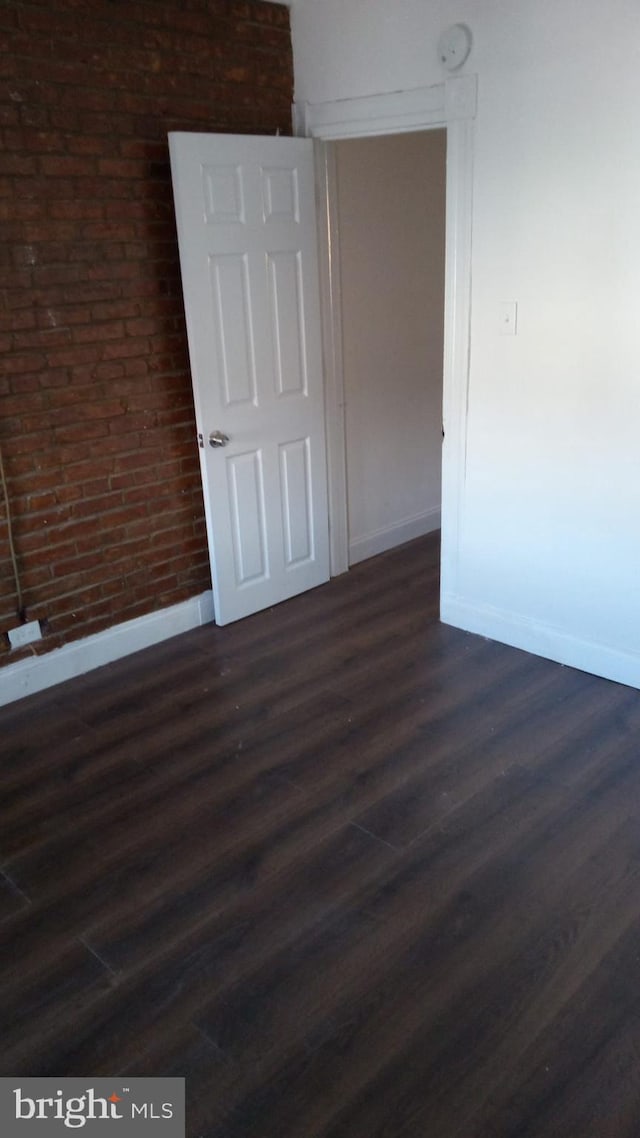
(361, 548)
(39, 672)
(542, 640)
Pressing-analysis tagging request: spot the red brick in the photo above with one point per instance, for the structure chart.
(19, 210)
(79, 432)
(77, 210)
(136, 367)
(55, 275)
(133, 423)
(109, 371)
(17, 165)
(97, 290)
(64, 315)
(87, 214)
(142, 148)
(112, 123)
(66, 166)
(11, 364)
(15, 405)
(73, 356)
(107, 231)
(41, 338)
(14, 321)
(90, 144)
(125, 348)
(107, 330)
(68, 493)
(142, 326)
(121, 168)
(35, 502)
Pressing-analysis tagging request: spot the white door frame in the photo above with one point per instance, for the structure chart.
(452, 105)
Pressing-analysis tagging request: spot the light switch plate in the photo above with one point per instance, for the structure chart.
(508, 318)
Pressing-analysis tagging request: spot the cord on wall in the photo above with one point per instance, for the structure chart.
(12, 551)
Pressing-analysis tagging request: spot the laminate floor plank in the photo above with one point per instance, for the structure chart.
(185, 978)
(172, 787)
(66, 898)
(12, 901)
(413, 990)
(578, 1071)
(187, 1049)
(492, 1015)
(247, 928)
(349, 871)
(198, 864)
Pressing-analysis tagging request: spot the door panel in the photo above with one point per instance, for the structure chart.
(246, 222)
(296, 501)
(286, 290)
(248, 517)
(233, 333)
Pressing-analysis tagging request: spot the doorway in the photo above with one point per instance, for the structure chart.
(450, 105)
(389, 225)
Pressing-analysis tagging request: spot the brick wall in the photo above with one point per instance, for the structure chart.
(96, 412)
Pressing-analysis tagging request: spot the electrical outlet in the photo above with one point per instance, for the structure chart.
(25, 634)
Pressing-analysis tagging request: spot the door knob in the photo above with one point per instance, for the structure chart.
(218, 439)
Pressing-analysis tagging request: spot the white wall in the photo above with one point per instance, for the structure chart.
(550, 555)
(391, 228)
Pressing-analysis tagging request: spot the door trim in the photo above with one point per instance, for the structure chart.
(450, 105)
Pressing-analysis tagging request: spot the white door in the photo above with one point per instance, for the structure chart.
(245, 211)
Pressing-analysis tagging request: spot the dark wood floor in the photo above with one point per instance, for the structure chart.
(351, 872)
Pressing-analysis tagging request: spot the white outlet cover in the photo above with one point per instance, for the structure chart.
(454, 46)
(25, 634)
